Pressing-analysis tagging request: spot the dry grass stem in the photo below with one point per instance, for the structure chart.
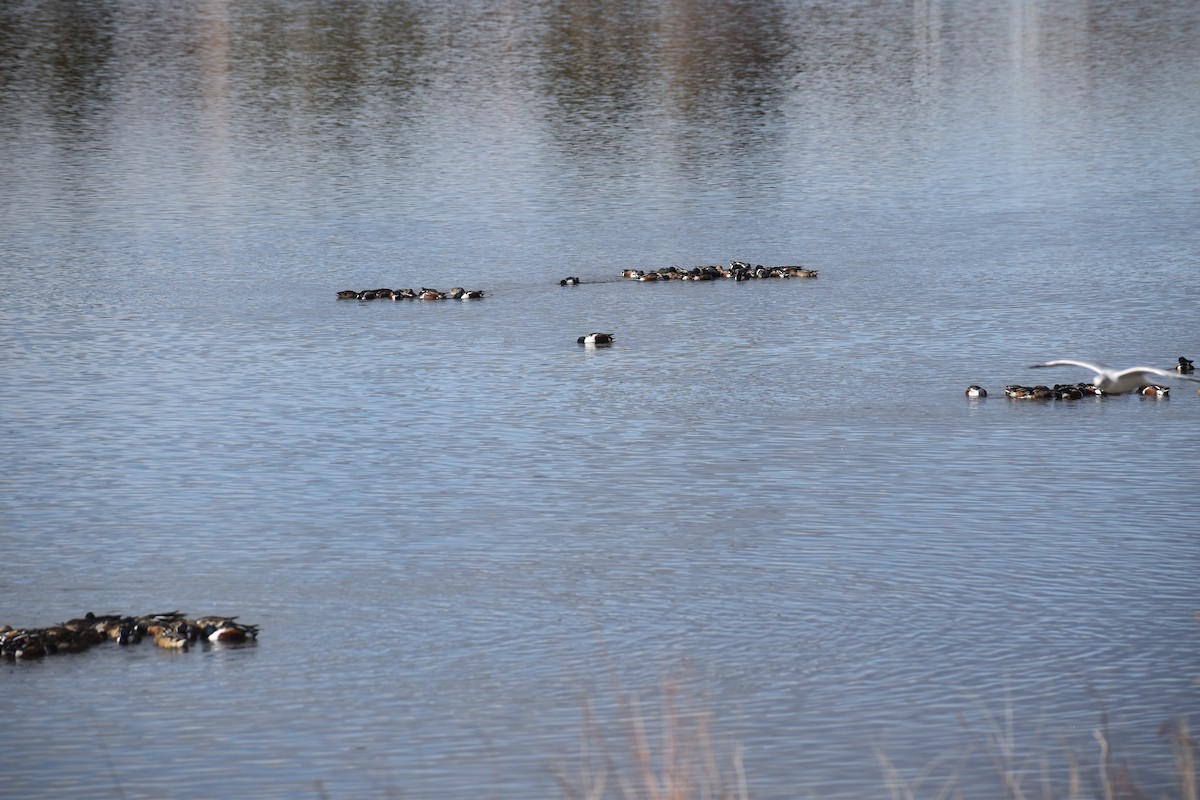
(667, 750)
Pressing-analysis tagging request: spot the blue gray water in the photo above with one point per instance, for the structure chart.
(452, 522)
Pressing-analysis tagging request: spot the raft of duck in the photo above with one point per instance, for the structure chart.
(171, 631)
(1064, 391)
(736, 271)
(742, 271)
(1078, 391)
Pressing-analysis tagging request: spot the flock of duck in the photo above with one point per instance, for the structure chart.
(172, 631)
(1106, 382)
(457, 293)
(736, 271)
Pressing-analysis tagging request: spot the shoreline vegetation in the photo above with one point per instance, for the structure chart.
(666, 751)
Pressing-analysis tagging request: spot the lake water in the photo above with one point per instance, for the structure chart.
(452, 522)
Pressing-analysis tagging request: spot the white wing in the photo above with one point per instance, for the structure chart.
(1069, 362)
(1161, 373)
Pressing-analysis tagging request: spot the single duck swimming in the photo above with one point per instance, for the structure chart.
(596, 338)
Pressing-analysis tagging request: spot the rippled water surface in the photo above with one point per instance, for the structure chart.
(452, 522)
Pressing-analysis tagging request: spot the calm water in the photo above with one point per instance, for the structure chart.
(451, 521)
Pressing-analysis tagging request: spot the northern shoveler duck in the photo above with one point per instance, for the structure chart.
(1111, 381)
(171, 638)
(1154, 390)
(596, 338)
(1028, 392)
(404, 294)
(459, 293)
(648, 276)
(570, 281)
(633, 274)
(1185, 366)
(225, 629)
(1068, 393)
(347, 294)
(430, 294)
(976, 391)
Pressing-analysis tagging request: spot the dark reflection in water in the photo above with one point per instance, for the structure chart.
(450, 520)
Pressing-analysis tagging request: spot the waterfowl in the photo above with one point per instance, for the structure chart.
(1185, 366)
(1112, 381)
(633, 274)
(226, 630)
(25, 645)
(976, 391)
(596, 338)
(1154, 390)
(430, 294)
(570, 281)
(153, 624)
(1028, 392)
(347, 294)
(404, 294)
(459, 293)
(171, 638)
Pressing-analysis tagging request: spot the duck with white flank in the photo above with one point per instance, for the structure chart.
(596, 338)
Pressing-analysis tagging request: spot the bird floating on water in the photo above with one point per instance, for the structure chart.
(1185, 365)
(596, 338)
(976, 391)
(1111, 381)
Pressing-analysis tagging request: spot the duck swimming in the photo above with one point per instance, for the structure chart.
(976, 391)
(596, 338)
(1185, 366)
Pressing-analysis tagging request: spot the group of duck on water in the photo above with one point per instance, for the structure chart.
(172, 631)
(736, 271)
(1106, 382)
(457, 293)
